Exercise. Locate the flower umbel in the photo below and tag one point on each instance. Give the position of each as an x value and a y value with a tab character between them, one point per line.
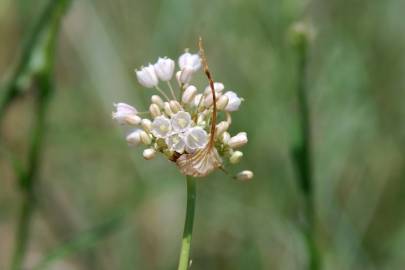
184	128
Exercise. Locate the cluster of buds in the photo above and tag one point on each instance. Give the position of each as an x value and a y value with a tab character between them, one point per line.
185	128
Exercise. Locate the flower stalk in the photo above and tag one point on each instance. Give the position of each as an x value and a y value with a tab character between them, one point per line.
302	35
184	260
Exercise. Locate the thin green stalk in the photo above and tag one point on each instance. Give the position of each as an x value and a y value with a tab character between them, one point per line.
303	155
41	76
184	260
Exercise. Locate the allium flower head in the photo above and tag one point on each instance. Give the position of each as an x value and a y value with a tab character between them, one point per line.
185	130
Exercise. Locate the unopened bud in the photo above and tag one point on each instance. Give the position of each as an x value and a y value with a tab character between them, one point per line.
221	128
145	138
146	124
226	137
222	102
175	106
189	94
245	175
149	153
134	138
157	100
186	75
167	109
218	87
154	110
236	157
238	140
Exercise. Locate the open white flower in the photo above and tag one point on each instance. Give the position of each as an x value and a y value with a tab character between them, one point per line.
175	142
233	101
191	61
196	138
147	76
161	127
164	68
126	114
181	121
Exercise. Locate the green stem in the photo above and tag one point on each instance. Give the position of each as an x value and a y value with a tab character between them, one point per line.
22	233
304	157
184	260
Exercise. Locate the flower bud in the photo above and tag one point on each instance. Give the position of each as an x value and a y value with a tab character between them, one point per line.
218	87
189	94
185	75
126	114
221	128
149	153
134	138
208	100
157	100
154	110
233	101
222	102
191	61
146	124
164	68
236	157
238	140
147	76
175	106
244	175
198	99
167	109
145	138
226	137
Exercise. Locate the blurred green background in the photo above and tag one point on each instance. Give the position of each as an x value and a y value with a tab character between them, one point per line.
126	213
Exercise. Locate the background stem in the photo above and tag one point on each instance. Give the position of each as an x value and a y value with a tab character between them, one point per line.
184	260
303	155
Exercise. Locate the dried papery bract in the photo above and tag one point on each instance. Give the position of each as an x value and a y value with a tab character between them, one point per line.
203	162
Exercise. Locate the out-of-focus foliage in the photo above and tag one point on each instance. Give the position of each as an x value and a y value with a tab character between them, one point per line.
89	176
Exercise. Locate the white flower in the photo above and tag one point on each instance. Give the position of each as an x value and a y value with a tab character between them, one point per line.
164	68
175	142
126	114
233	101
149	153
218	87
189	94
238	140
185	75
196	138
244	175
181	121
161	127
147	76
188	60
134	138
